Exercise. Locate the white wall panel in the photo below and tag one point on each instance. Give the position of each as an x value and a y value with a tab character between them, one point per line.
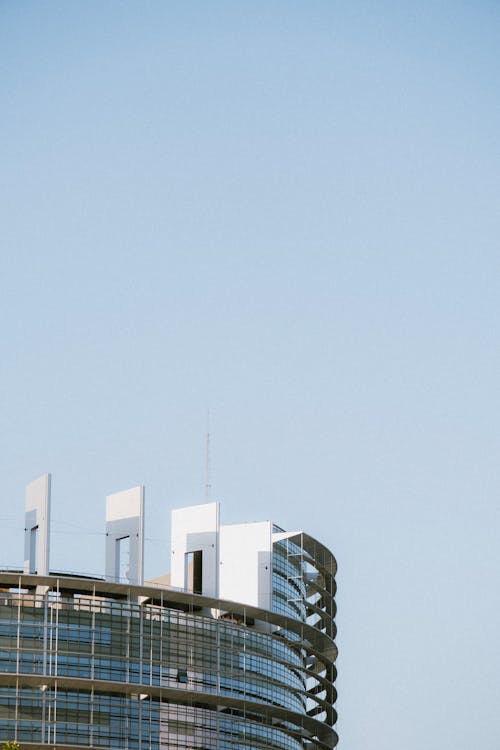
125	520
245	563
196	529
37	526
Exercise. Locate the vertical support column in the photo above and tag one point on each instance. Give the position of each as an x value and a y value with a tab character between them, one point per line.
125	536
37	526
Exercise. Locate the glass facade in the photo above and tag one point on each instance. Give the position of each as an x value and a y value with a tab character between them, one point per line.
111	666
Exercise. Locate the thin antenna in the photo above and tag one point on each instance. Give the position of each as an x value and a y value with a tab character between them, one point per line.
208	485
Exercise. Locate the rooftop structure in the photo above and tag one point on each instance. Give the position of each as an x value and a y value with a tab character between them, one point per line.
232	649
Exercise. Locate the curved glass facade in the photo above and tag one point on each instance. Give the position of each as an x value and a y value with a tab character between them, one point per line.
94	664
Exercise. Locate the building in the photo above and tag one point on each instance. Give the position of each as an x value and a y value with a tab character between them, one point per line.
232	650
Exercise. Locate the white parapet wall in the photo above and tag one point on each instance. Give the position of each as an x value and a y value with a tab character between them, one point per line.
37	526
125	536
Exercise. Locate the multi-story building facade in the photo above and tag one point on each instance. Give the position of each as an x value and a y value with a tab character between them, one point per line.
234	649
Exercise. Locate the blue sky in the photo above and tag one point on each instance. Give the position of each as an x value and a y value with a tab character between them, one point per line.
286	213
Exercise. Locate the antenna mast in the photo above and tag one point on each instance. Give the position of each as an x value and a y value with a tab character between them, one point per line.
208	485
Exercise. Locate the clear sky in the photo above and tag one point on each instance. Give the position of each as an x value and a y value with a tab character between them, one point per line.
288	213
